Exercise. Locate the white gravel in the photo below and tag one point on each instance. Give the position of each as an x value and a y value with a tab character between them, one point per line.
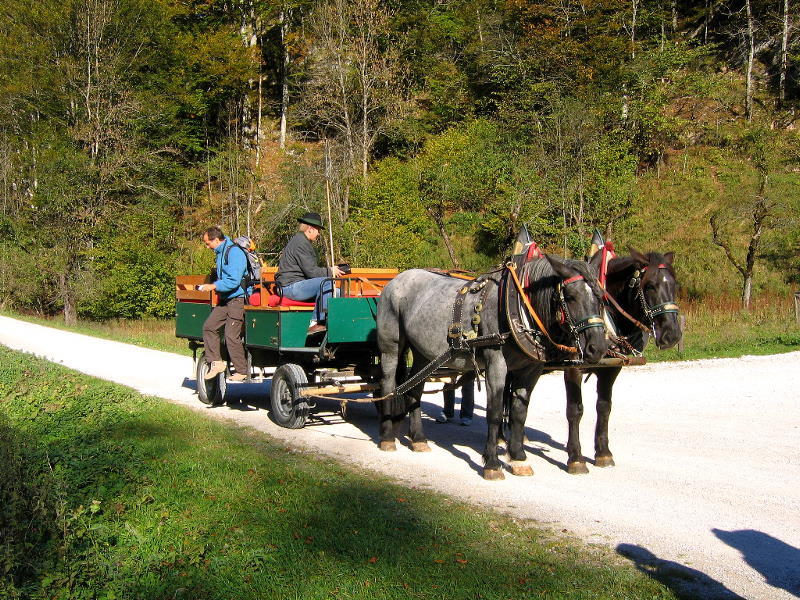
707	479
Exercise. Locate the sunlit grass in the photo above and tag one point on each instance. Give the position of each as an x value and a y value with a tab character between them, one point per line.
718	327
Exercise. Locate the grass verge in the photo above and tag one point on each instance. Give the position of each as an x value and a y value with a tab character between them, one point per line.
715	328
139	498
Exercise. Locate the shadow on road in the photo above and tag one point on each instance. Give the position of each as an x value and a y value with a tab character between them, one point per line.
777	561
685	582
450	437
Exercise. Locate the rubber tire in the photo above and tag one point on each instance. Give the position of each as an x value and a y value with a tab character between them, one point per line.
289	409
210	391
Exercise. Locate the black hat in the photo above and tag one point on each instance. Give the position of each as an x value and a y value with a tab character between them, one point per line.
312	219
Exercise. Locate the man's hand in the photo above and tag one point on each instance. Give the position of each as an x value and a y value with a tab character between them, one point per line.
337	272
206	287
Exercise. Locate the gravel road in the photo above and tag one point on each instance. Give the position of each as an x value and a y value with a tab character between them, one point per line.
707	483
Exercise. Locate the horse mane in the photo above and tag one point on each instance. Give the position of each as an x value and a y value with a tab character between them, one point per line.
542	281
622	267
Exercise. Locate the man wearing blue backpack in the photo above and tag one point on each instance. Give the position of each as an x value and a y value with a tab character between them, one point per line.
232	270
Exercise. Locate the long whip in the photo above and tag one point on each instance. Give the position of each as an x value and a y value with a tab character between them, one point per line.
328	200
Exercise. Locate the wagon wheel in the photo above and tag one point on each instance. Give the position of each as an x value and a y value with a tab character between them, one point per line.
289	409
210	391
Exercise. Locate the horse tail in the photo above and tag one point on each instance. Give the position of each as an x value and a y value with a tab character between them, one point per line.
505	427
400	402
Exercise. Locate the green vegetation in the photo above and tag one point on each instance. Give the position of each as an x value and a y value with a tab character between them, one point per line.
108	494
429	131
722	330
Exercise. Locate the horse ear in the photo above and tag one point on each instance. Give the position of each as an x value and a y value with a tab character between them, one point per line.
559	267
669	257
640	258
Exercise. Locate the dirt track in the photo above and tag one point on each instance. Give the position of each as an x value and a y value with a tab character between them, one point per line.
708	475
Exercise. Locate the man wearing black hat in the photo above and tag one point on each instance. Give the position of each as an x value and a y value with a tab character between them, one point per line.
299	274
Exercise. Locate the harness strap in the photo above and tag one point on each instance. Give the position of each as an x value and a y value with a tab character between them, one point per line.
632	319
513	270
495	339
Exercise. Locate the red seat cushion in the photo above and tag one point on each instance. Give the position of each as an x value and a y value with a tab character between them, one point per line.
275	300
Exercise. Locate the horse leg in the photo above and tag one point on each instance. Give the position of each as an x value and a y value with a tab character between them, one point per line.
523	384
393	369
419	443
495	384
576	465
605	383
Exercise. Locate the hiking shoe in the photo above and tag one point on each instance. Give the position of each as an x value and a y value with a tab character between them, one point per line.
237	377
316	328
443	418
466	421
215	368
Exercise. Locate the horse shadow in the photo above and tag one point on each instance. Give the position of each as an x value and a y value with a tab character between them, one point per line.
456	439
777	561
685	582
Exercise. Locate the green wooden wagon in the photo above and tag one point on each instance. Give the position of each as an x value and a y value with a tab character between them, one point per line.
343	360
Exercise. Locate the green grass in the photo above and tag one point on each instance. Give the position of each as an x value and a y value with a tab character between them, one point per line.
717	328
109	494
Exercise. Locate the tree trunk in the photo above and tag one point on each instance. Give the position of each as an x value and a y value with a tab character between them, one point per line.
284	20
748	101
635	6
439	218
784	55
747	290
68	298
674	6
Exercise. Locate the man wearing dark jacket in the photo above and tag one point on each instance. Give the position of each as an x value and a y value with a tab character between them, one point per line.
299	274
231	267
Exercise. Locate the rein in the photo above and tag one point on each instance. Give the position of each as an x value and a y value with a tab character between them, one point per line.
575	328
669	307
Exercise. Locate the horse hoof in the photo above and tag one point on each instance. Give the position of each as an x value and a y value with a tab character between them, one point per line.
493	474
388	446
521	468
604	461
420	447
577	468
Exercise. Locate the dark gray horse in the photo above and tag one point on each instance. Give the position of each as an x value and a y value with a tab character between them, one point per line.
644	287
416	313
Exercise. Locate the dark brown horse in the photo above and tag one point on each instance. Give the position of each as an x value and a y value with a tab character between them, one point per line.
644	287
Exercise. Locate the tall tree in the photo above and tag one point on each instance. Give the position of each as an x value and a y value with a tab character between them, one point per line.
355	87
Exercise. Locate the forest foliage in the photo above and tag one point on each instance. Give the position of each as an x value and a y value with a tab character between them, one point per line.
426	131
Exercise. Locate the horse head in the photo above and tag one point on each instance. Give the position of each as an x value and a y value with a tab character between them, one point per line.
578	306
656	293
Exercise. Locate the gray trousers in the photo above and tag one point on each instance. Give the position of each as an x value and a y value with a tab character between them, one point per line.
231	316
